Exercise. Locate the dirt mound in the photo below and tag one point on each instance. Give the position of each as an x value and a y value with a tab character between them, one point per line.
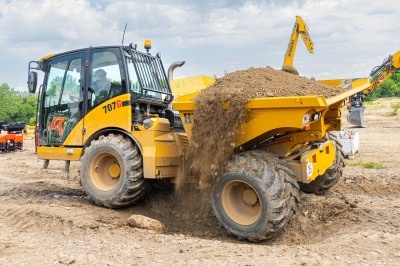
215	128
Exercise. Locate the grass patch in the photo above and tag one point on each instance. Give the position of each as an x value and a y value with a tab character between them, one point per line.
375	104
369	165
395	107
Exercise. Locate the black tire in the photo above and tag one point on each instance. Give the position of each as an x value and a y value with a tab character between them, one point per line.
111	172
256	196
323	183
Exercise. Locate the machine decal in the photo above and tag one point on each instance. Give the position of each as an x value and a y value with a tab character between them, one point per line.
114	105
309	169
306	119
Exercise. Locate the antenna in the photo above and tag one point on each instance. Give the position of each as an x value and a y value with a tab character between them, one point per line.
123	35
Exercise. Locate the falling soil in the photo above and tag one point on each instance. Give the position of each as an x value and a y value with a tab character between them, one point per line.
215	128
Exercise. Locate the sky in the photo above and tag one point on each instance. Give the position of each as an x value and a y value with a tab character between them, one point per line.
214	37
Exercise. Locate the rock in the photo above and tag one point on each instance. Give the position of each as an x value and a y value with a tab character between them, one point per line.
67	232
144	222
65	259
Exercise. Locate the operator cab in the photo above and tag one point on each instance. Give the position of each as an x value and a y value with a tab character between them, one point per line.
78	82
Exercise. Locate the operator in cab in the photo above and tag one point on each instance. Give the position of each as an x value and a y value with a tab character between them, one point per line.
101	86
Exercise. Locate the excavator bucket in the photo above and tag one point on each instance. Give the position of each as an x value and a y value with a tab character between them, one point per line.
356	116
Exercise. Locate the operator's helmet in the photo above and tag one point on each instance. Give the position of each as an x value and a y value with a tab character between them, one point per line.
101	73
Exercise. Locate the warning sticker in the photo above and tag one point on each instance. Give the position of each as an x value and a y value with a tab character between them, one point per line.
309	169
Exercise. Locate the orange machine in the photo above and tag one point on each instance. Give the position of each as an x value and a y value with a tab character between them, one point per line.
14	139
11	142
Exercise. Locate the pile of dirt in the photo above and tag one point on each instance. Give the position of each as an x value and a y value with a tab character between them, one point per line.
215	128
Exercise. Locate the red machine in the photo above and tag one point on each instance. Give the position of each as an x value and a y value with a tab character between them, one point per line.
14	139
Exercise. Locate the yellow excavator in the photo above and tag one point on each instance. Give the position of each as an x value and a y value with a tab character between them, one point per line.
300	28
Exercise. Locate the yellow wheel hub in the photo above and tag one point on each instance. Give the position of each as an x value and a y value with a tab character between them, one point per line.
114	170
250	197
241	202
105	171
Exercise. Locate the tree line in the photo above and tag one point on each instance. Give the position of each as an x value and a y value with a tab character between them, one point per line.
21	107
389	88
17	106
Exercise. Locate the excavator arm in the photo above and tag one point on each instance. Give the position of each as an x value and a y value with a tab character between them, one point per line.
300	28
363	87
380	73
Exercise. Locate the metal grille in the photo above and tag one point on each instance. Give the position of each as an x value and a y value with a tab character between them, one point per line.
151	74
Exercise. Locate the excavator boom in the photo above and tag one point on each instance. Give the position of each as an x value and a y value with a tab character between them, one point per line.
300	28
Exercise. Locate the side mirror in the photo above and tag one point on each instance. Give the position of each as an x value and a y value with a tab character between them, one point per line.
32	82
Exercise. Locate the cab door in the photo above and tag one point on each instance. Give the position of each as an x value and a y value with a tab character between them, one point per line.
108	103
62	101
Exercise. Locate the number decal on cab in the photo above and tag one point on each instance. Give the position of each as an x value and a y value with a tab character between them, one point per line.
112	106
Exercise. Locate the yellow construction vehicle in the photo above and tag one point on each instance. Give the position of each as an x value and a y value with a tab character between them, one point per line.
110	108
300	28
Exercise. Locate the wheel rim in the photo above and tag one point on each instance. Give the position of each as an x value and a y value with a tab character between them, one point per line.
241	202
105	171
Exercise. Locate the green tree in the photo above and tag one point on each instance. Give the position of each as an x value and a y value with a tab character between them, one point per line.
10	103
388	88
27	110
15	107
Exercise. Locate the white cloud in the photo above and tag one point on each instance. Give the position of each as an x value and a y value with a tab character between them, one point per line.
212	36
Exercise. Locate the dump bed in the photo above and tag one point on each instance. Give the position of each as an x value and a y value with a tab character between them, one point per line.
280	116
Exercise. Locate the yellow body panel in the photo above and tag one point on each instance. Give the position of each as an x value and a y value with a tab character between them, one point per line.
344	83
161	157
313	163
59	153
185	89
119	116
75	137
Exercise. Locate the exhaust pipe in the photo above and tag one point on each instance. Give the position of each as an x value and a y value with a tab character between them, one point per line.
172	68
